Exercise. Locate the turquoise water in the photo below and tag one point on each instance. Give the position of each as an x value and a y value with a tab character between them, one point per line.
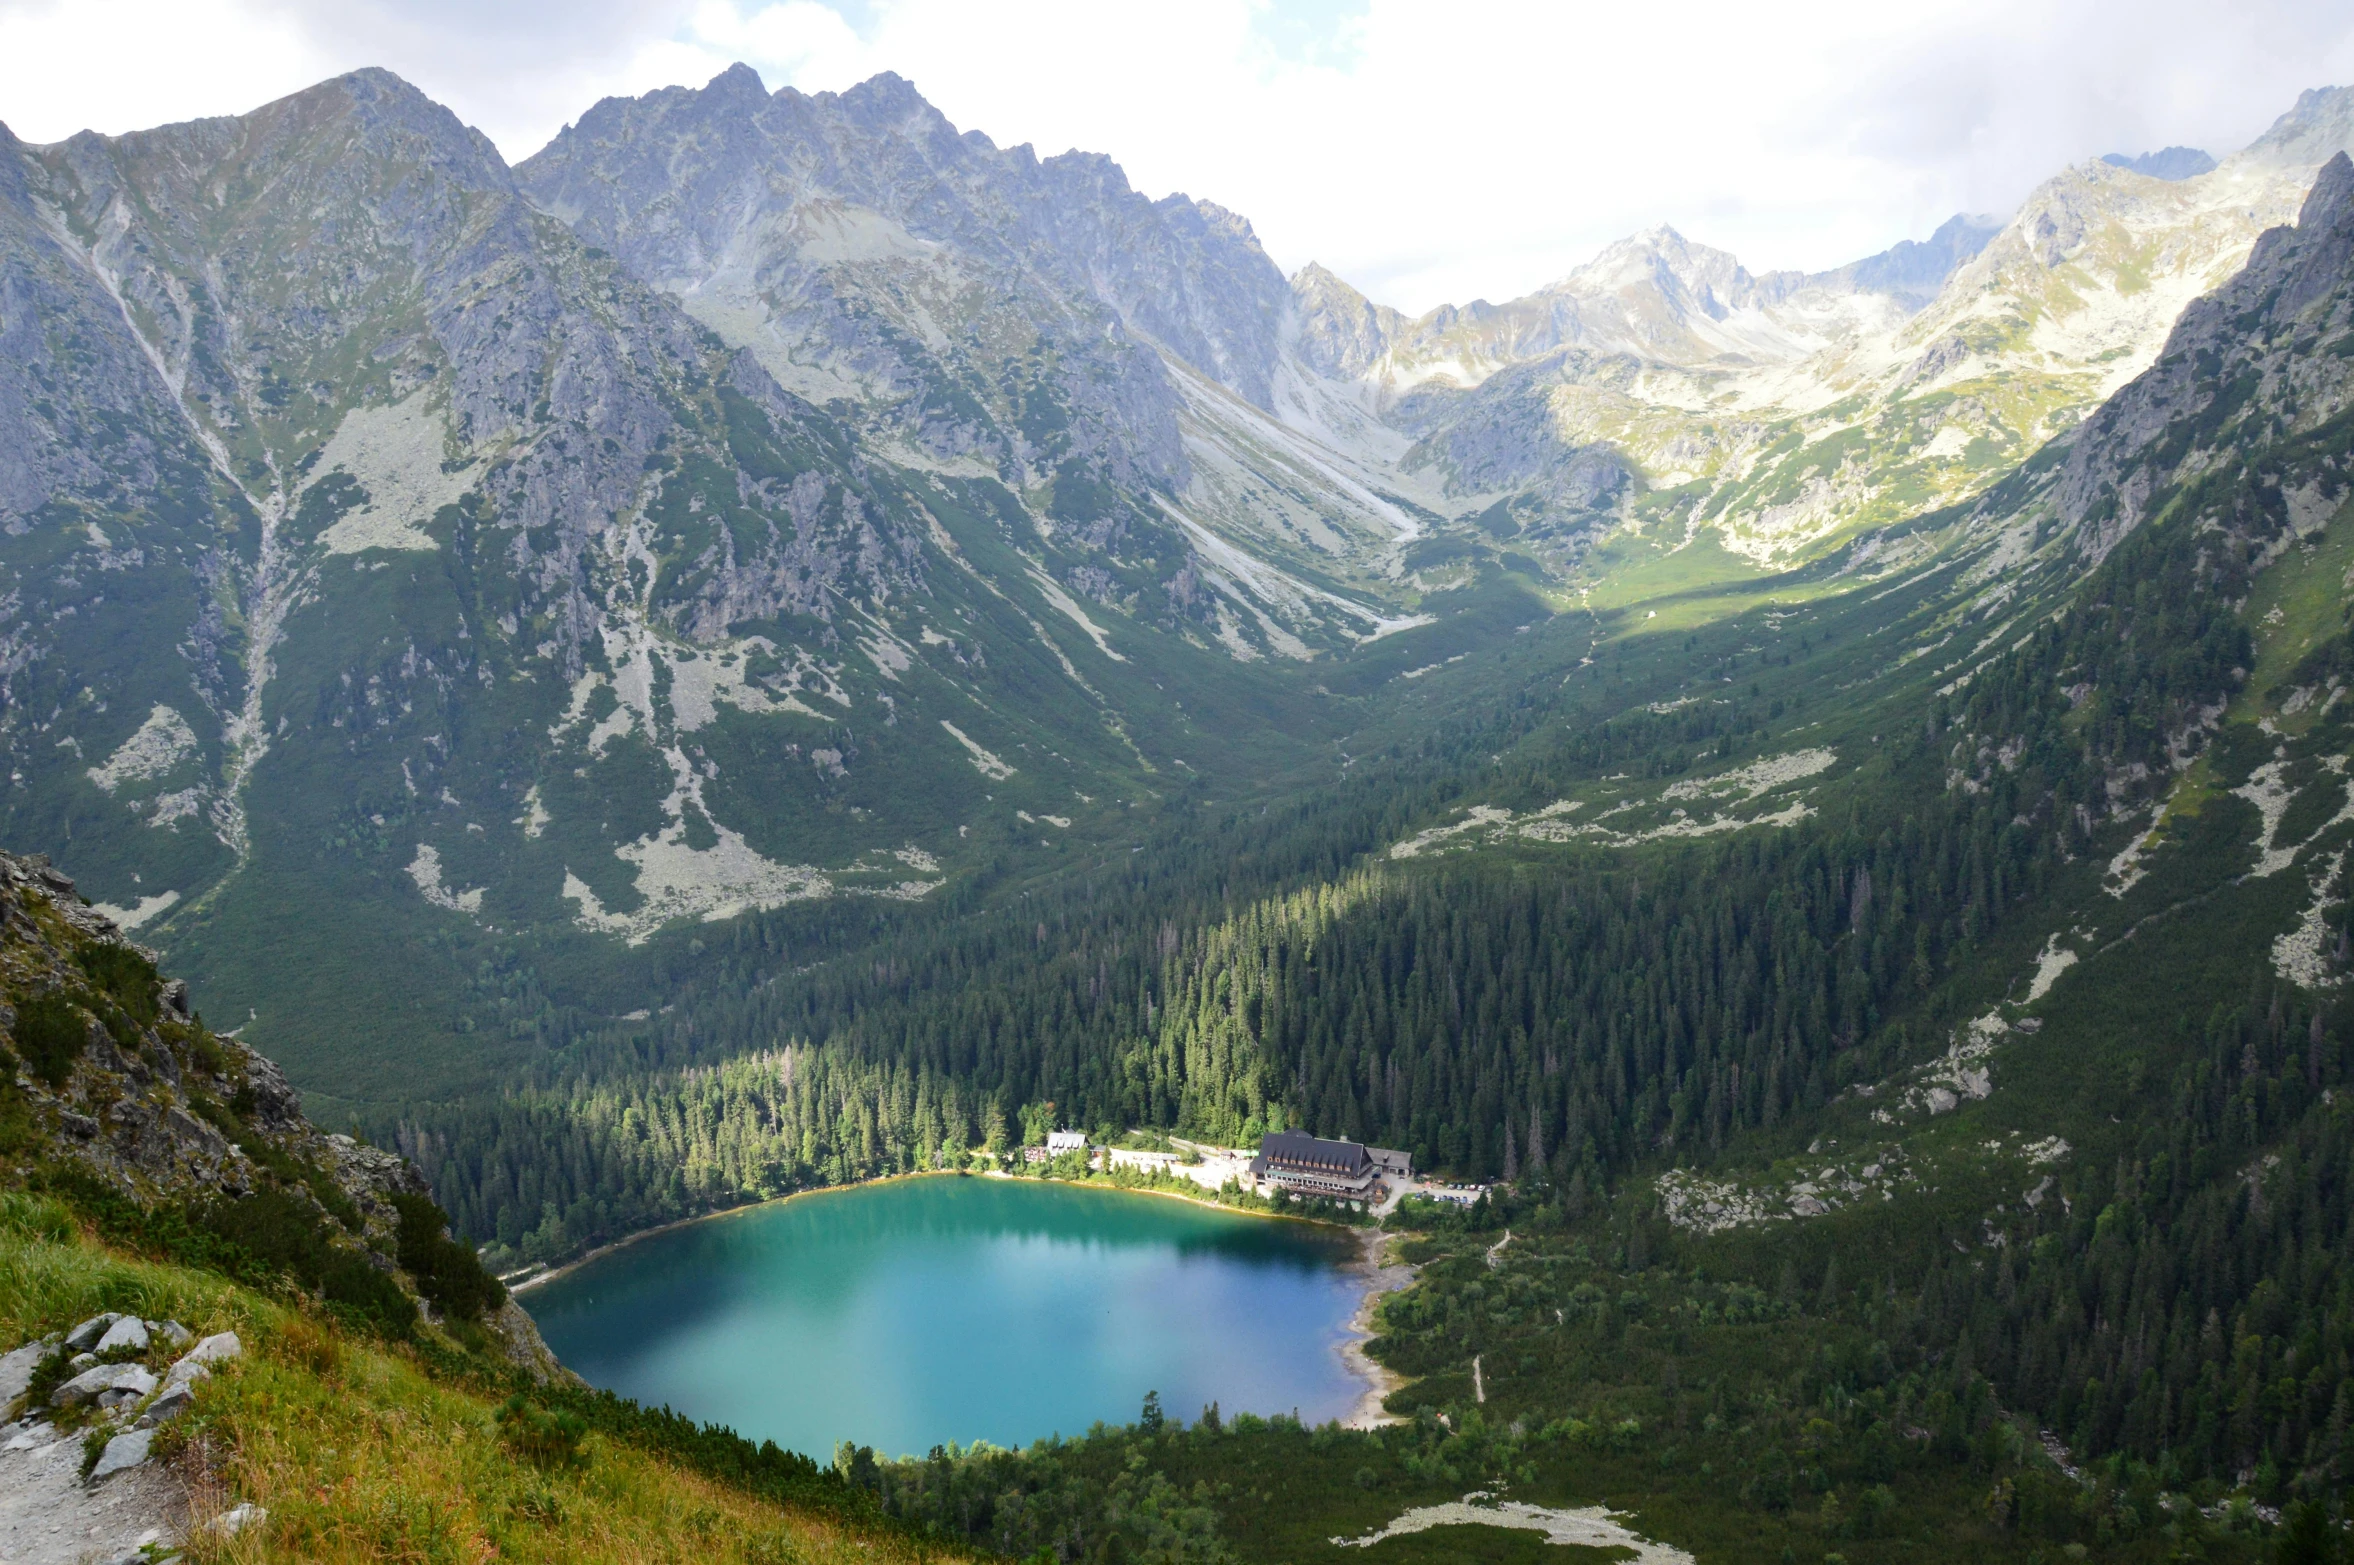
911	1314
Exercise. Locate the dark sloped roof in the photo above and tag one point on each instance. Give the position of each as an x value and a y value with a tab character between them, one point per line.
1298	1149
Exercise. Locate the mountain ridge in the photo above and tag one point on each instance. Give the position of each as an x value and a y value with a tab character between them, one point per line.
777	645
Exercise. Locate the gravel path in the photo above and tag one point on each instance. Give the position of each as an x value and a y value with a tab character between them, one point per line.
47	1516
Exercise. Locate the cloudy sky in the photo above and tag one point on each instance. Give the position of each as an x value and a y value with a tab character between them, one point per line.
1429	150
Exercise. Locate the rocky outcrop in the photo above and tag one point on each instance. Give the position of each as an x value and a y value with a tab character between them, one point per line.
825	208
938	289
2259	359
109	1080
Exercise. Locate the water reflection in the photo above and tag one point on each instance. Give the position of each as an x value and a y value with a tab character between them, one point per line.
910	1314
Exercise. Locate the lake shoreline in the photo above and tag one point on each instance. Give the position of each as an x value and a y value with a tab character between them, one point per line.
1380	1277
550	1274
524	1283
1383	1277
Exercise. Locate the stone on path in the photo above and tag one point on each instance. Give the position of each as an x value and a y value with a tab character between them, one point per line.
48	1516
16	1370
124	1451
103	1378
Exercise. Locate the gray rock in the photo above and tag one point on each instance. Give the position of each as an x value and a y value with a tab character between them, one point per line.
29	1436
212	1350
185	1375
174	1333
236	1519
16	1370
83	1360
86	1335
2254	332
129	1332
176	1398
123	1451
100	1378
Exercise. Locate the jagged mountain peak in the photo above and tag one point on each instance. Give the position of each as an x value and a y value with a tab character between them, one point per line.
2166	163
372	99
1912	271
738	80
1339	332
688	188
2332	192
2258	357
1661	257
2320	123
887	101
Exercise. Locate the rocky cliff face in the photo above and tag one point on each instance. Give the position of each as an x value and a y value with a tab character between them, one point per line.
111	1084
764	498
2261	362
370	537
976	302
376	464
1130	369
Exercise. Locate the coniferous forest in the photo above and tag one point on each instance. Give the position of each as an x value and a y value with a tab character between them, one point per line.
775	644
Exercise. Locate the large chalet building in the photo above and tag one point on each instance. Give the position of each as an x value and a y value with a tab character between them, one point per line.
1340	1170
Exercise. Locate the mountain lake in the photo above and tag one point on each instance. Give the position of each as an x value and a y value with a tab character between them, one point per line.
917	1312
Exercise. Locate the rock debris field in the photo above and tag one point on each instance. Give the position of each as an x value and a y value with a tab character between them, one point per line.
78	1478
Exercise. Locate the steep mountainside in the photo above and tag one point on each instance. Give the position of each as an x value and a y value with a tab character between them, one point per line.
226	1334
981	312
119	1097
372	540
783	641
765	518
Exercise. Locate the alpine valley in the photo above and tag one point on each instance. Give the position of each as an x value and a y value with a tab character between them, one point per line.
779	643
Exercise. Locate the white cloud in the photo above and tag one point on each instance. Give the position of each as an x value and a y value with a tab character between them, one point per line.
1429	151
117	65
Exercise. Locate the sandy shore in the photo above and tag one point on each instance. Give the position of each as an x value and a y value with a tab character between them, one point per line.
1384	1274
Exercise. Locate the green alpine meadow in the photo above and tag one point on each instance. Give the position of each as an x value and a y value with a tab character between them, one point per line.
664	801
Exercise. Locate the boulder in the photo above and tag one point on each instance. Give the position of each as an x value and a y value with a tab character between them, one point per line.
123	1451
101	1378
212	1350
176	1334
16	1370
129	1332
85	1336
30	1437
173	1400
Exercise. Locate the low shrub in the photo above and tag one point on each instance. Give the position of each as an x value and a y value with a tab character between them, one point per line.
543	1436
446	1270
51	1032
